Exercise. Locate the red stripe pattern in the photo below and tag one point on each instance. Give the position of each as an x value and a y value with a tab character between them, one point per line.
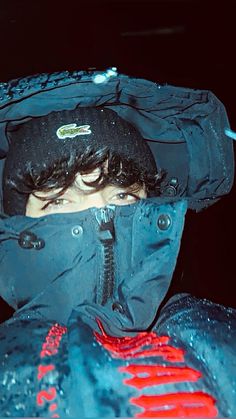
146	345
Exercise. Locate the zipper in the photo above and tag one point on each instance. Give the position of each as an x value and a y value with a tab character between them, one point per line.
106	235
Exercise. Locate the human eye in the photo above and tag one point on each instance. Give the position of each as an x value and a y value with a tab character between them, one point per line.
55	204
125	198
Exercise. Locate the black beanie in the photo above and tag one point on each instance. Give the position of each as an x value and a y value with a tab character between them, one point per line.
42	141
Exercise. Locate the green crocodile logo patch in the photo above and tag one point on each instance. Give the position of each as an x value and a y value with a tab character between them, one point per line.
71	131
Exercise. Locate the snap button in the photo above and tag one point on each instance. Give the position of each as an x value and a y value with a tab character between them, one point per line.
116	306
171	188
164	222
77	231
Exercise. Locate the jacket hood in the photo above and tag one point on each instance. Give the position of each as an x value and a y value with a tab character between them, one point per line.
185	128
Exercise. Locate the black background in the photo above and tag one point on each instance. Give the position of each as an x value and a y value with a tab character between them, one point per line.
181	42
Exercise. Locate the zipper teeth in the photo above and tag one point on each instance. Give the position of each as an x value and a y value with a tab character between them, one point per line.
105	219
108	272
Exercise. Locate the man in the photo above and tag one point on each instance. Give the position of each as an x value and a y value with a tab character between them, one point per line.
90	241
73	161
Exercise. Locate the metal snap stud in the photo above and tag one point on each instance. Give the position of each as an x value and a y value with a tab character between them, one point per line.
77	231
164	222
116	306
170	190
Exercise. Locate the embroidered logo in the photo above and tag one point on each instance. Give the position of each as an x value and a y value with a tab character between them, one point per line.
71	131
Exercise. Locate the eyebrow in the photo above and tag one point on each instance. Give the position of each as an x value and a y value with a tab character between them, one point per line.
49	195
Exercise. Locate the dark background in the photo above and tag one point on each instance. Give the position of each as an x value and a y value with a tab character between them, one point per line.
187	43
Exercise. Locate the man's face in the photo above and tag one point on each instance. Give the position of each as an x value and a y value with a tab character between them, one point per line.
79	197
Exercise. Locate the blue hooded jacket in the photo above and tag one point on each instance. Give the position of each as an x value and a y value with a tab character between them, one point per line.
86	287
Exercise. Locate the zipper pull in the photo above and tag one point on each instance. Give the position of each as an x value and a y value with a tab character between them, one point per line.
105	217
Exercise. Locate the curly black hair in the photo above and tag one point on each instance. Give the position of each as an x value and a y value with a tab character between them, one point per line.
114	170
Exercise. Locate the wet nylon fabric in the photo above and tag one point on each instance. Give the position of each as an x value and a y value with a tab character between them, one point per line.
205	334
183	127
68	271
23	393
70	373
209	333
